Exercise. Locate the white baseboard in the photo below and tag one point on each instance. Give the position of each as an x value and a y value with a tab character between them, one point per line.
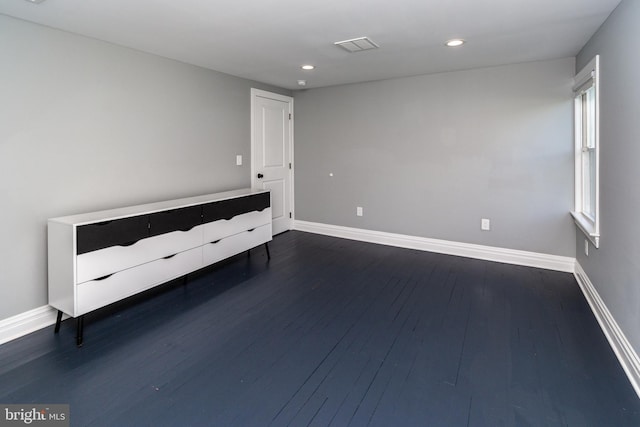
41	317
27	322
627	356
489	253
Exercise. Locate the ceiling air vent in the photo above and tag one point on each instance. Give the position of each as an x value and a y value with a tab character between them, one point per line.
357	45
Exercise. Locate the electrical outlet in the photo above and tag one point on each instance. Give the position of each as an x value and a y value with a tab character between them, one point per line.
485	224
586	247
359	211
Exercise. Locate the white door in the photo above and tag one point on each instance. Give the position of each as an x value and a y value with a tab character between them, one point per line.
272	153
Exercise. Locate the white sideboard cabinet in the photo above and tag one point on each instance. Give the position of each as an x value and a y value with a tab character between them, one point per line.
98	258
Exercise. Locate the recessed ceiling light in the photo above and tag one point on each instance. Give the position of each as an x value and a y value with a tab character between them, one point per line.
308	67
454	42
302	82
35	1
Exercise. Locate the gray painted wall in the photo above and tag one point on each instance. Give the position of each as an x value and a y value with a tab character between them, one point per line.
431	155
87	125
614	268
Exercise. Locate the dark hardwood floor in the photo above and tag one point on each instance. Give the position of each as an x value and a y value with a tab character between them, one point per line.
334	332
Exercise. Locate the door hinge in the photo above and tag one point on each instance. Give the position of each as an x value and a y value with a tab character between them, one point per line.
289	116
290	215
289	165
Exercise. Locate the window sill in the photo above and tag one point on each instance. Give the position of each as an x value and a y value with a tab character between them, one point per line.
587	228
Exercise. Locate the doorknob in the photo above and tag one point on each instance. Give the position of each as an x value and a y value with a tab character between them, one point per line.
260	176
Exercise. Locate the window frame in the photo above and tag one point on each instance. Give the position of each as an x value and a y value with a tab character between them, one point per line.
587	218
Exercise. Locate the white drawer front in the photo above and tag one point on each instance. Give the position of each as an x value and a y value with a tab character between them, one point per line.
229	246
222	228
98	293
92	265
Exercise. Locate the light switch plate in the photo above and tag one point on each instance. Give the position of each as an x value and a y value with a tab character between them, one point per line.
239	160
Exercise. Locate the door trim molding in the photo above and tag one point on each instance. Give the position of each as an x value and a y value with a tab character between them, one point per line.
255	93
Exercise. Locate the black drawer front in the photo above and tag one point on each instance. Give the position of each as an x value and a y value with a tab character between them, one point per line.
227	209
119	232
183	219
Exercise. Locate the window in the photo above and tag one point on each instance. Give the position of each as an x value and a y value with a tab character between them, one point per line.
587	192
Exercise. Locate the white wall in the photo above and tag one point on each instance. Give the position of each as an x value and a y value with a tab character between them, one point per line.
431	155
614	268
87	125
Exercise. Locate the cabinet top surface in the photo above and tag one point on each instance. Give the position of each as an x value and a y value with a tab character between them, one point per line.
111	214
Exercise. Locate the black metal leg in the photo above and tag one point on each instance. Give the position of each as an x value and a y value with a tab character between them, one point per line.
58	321
79	330
266	245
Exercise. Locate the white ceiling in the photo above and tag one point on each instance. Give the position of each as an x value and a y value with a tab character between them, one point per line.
268	40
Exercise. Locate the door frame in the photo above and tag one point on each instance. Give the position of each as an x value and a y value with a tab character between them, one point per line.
289	100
